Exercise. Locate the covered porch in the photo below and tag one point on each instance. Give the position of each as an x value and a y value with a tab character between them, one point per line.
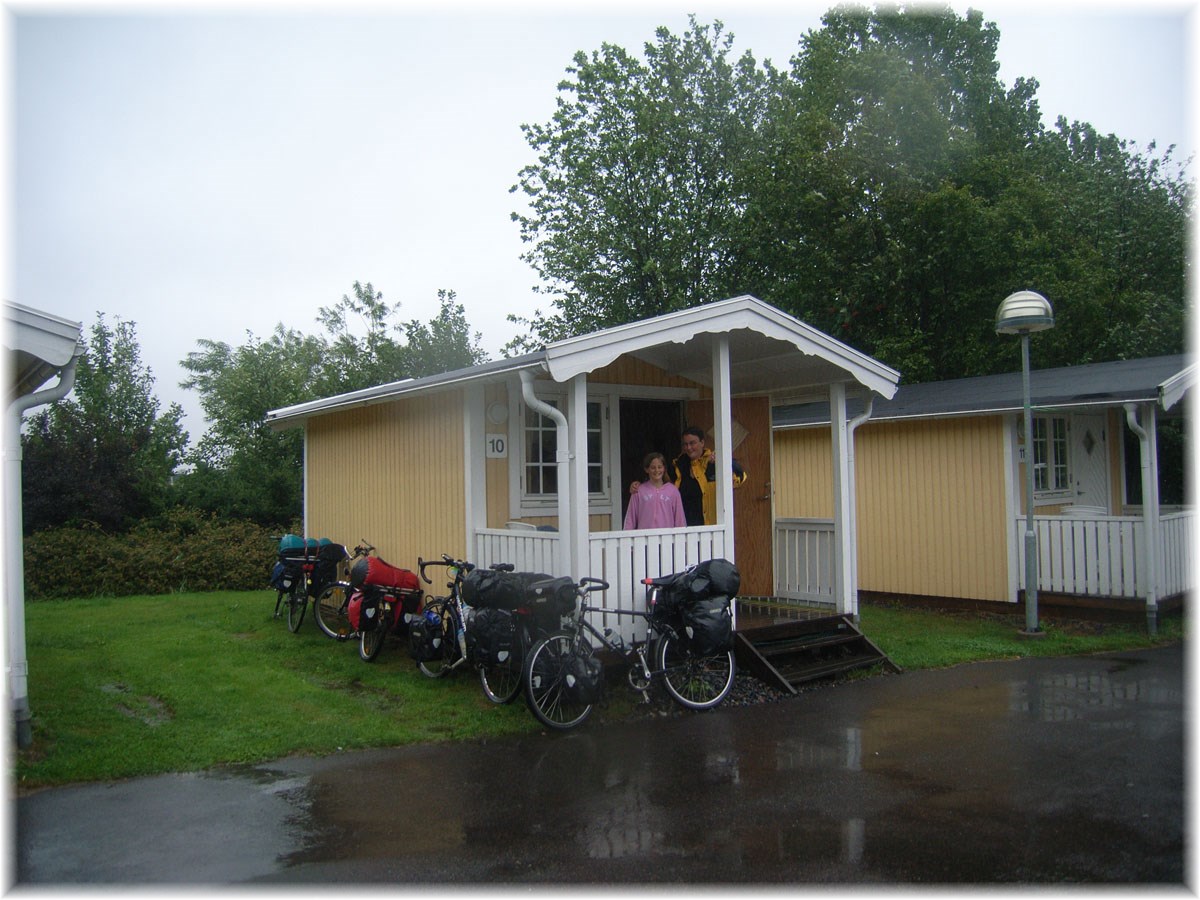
738	353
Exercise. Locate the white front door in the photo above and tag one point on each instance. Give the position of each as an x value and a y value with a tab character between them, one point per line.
1089	460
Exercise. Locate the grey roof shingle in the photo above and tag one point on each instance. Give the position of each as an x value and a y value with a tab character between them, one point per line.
1095	384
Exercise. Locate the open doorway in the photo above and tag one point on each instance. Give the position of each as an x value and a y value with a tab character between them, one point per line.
646	425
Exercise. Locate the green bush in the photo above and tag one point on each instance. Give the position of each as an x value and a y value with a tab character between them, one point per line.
182	550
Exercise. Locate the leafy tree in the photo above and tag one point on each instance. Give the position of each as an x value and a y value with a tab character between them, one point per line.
241	467
634	200
888	189
105	455
445	344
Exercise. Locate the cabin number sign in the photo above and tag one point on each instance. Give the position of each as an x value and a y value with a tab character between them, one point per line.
497	446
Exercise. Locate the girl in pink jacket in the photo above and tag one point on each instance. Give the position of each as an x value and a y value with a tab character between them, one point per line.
657	503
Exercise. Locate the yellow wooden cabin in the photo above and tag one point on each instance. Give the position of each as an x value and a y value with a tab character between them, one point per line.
939	470
528	460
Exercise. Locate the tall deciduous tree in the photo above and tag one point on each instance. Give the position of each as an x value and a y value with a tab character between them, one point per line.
887	189
105	455
241	467
634	201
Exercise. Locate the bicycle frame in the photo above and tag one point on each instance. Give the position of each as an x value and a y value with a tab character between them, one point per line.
636	648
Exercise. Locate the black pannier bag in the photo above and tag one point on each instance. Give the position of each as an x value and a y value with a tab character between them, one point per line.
711	578
583	680
708	626
425	636
491	636
490	589
325	572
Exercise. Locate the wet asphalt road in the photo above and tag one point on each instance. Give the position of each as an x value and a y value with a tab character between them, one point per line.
1041	771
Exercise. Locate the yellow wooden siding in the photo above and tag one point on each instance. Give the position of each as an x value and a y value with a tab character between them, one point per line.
931	503
393	474
631	370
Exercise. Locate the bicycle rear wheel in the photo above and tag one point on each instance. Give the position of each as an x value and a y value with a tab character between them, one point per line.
371	639
695	682
297	603
332	611
547	687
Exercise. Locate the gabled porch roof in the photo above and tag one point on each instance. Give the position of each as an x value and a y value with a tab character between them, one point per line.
770	353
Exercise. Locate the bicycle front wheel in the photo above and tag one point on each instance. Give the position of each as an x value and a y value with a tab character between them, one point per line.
697	682
297	602
437	668
332	611
547	690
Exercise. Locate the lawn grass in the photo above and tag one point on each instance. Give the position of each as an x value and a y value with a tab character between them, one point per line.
923	639
144	685
141	685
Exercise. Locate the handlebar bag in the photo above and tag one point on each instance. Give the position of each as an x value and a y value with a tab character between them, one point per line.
550	596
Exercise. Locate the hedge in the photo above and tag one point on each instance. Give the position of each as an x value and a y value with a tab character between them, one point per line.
183	550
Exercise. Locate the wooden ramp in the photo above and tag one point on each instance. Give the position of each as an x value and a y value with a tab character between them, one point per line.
789	652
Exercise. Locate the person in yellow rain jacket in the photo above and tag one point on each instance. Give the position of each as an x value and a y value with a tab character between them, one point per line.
695	474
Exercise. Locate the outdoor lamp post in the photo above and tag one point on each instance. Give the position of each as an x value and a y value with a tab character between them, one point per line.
1024	313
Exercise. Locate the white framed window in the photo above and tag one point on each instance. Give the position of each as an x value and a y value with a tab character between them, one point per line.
535	466
1051	458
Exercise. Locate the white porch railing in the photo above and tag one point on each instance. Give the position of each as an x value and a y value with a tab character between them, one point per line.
1100	556
804	559
1104	556
622	558
529	551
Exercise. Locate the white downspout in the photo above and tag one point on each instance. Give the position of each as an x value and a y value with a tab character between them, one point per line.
18	663
1148	444
843	537
851	428
562	457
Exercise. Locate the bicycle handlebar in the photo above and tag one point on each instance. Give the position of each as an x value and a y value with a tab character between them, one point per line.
447	560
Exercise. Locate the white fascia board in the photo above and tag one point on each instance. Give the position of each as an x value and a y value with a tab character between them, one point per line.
292	416
586	353
50	338
1172	390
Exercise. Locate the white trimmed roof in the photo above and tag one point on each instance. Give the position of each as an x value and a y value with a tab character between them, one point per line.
1160	379
771	353
40	344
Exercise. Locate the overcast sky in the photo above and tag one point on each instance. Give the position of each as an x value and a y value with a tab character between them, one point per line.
210	174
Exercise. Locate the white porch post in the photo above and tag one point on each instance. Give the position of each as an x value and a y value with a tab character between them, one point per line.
844	590
723	441
475	471
574	546
1147	431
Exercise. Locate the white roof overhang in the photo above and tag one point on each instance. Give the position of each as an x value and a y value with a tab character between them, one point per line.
292	416
771	352
1172	390
39	344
